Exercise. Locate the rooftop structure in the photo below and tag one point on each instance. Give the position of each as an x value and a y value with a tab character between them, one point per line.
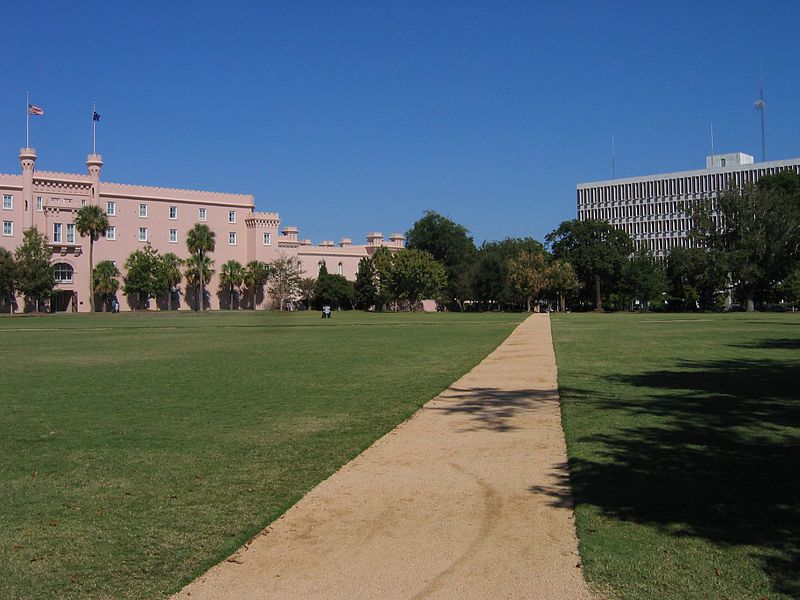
652	209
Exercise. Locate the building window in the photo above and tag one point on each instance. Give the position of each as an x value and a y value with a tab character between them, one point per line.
39	203
111	233
203	214
231	216
111	208
57	233
8	201
8	227
83	201
339	268
722	162
143	210
267	239
173	236
63	273
70	233
232	238
173	212
142	234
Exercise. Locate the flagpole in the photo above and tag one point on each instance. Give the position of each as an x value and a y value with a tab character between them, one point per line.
94	129
27	120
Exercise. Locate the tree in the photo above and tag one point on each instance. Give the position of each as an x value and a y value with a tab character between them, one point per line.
695	278
91	221
562	280
34	273
365	290
331	290
199	269
256	275
143	275
383	265
644	278
104	281
756	232
450	244
790	289
285	281
307	287
200	241
489	276
416	275
170	274
231	277
8	273
596	251
528	274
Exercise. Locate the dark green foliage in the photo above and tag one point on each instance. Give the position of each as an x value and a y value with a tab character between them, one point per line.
790	289
332	290
105	281
8	273
756	233
696	279
490	283
35	278
200	241
365	288
416	275
644	280
597	252
91	221
145	276
450	244
683	440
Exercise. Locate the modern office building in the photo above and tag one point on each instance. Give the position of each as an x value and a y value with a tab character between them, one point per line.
651	209
162	217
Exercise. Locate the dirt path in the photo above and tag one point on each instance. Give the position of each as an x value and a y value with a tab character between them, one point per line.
467	499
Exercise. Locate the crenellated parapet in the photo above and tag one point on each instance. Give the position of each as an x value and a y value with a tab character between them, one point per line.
263	220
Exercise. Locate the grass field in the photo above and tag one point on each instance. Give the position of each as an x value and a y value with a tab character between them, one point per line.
138	450
683	435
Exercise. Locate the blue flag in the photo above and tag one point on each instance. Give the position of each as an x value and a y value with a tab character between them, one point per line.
95	116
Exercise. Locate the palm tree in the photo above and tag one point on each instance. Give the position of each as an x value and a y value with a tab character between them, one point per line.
199	269
104	280
256	275
171	272
231	276
92	221
200	240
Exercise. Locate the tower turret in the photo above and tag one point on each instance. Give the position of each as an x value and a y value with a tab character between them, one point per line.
27	160
94	162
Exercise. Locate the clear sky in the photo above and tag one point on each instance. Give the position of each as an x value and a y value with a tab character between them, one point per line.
352	117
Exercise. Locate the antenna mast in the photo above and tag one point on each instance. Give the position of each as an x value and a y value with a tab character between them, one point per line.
761	105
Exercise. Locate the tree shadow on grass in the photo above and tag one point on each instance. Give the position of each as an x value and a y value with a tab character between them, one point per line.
492	409
710	450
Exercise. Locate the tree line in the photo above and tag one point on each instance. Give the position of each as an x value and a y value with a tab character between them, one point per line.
746	252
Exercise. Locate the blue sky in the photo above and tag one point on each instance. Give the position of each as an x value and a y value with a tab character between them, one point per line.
352	117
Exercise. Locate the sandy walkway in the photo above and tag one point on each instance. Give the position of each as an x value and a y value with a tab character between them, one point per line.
467	499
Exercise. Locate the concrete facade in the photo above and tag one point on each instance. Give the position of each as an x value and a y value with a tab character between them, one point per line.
652	208
139	215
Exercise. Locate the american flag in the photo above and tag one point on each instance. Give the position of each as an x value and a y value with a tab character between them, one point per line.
35	110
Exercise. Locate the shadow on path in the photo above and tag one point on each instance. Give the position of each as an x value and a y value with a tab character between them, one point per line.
492	408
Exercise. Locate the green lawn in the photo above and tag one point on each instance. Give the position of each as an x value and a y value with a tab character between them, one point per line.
138	450
683	434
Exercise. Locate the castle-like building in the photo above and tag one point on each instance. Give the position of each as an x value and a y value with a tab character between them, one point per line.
162	217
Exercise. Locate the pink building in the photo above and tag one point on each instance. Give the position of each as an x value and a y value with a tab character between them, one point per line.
139	215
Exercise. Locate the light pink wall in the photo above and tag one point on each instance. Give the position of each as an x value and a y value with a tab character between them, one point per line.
64	193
